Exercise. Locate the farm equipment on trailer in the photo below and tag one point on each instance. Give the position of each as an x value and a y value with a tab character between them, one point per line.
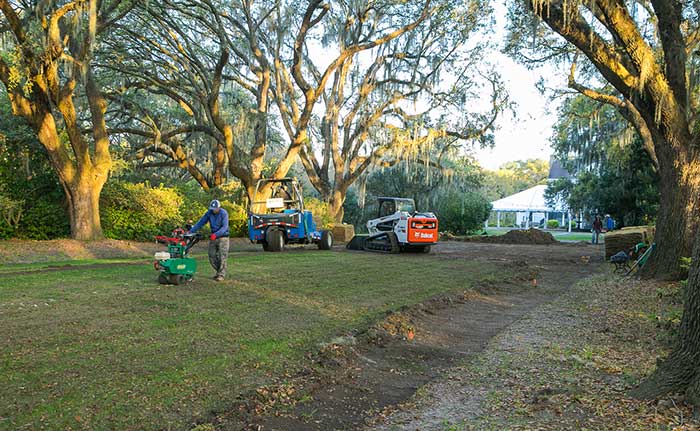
175	265
282	219
398	227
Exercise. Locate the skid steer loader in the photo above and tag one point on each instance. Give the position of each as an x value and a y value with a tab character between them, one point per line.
398	227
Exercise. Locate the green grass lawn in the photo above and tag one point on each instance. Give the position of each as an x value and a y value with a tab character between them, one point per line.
46	266
559	235
109	348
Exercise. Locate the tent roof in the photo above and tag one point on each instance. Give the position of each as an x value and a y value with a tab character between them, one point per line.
531	199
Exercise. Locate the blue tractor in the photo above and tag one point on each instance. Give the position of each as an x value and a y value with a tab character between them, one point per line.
281	219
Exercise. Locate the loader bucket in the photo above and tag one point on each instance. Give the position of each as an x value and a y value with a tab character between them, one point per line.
357	242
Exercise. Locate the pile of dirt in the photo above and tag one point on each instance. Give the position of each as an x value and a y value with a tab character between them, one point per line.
530	236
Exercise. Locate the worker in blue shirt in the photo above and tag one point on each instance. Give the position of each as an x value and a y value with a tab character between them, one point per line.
609	223
217	218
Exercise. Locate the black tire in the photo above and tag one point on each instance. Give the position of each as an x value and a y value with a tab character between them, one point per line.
176	279
426	249
275	240
265	245
394	241
163	279
326	241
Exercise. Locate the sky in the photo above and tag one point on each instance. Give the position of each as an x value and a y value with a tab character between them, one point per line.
524	135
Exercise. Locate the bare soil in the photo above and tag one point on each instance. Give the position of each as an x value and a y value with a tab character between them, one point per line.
568	364
26	251
358	378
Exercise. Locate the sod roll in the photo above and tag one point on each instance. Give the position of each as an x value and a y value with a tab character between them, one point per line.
626	238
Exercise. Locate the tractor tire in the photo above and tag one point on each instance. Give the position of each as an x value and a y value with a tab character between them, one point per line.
326	241
275	240
394	241
266	246
176	279
163	279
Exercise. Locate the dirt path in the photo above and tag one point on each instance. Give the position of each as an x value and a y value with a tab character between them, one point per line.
568	364
380	375
453	398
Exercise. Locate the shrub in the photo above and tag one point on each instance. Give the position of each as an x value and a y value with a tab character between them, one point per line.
138	211
237	218
321	214
38	218
11	210
685	263
10	216
6	231
461	214
552	224
44	219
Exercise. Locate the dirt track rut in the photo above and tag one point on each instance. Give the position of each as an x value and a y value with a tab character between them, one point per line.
385	375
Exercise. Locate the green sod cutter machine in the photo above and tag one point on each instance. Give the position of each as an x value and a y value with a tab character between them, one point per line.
175	265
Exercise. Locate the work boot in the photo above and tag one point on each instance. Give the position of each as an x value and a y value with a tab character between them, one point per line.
219	278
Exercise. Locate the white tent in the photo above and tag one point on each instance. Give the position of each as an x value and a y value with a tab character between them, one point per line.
527	202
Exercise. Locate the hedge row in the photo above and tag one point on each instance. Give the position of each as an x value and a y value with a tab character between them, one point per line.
128	211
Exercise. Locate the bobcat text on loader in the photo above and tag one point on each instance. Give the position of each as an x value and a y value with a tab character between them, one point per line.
398	227
282	219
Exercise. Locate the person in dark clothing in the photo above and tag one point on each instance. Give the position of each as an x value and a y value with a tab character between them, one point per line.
217	218
597	229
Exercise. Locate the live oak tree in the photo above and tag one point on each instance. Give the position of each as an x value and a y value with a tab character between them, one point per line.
198	55
206	84
46	67
173	98
643	57
645	51
392	103
298	77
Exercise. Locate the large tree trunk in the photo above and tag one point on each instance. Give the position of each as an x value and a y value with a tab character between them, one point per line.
676	225
81	181
680	372
335	201
679	209
84	210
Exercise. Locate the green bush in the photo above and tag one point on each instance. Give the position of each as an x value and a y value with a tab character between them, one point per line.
552	224
7	231
41	219
685	263
138	211
320	212
461	214
237	218
10	216
44	219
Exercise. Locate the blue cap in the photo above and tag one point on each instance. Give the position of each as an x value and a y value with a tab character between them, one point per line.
215	204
